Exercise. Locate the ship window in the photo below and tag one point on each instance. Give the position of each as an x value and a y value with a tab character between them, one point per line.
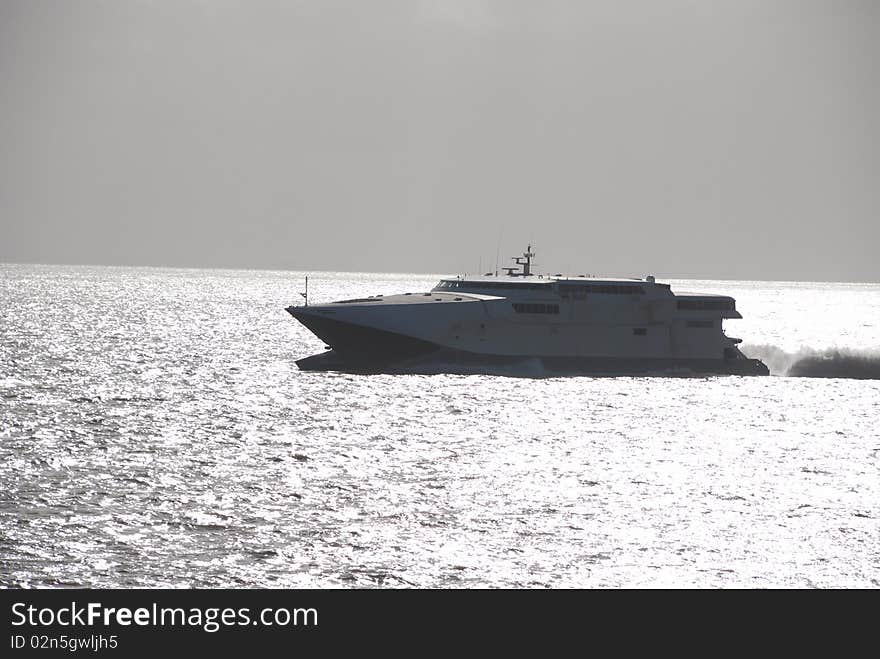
601	289
512	286
535	308
640	331
706	324
706	304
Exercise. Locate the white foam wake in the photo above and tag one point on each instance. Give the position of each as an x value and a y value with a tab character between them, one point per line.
814	363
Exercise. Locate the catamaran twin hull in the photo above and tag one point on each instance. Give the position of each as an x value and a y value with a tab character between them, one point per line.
360	348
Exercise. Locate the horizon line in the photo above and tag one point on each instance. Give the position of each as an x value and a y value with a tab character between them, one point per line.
401	272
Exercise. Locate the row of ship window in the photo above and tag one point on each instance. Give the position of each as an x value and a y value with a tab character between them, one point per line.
564	288
445	285
604	289
535	307
706	305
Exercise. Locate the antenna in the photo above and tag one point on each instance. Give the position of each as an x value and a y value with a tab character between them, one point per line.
498	248
306	294
527	269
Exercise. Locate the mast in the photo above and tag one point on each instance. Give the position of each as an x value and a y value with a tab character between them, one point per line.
527	266
306	294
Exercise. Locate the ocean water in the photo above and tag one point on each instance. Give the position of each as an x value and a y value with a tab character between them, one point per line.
155	432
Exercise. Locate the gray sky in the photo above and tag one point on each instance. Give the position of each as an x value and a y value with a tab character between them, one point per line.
729	139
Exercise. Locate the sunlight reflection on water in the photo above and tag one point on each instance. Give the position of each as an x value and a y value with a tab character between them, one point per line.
156	432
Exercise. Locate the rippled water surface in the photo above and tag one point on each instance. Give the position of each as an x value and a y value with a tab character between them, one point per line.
155	431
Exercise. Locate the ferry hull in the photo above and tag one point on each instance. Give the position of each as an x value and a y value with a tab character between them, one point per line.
360	349
358	346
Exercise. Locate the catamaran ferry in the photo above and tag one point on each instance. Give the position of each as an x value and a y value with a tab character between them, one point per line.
570	325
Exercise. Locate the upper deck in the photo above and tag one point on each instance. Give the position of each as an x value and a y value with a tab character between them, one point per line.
558	288
554	285
526	290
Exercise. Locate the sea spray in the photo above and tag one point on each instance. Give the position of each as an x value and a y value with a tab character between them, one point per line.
814	363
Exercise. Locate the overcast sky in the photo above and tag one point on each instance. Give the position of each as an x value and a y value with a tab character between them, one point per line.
692	138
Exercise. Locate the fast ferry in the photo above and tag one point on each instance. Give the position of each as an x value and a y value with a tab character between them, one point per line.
566	325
